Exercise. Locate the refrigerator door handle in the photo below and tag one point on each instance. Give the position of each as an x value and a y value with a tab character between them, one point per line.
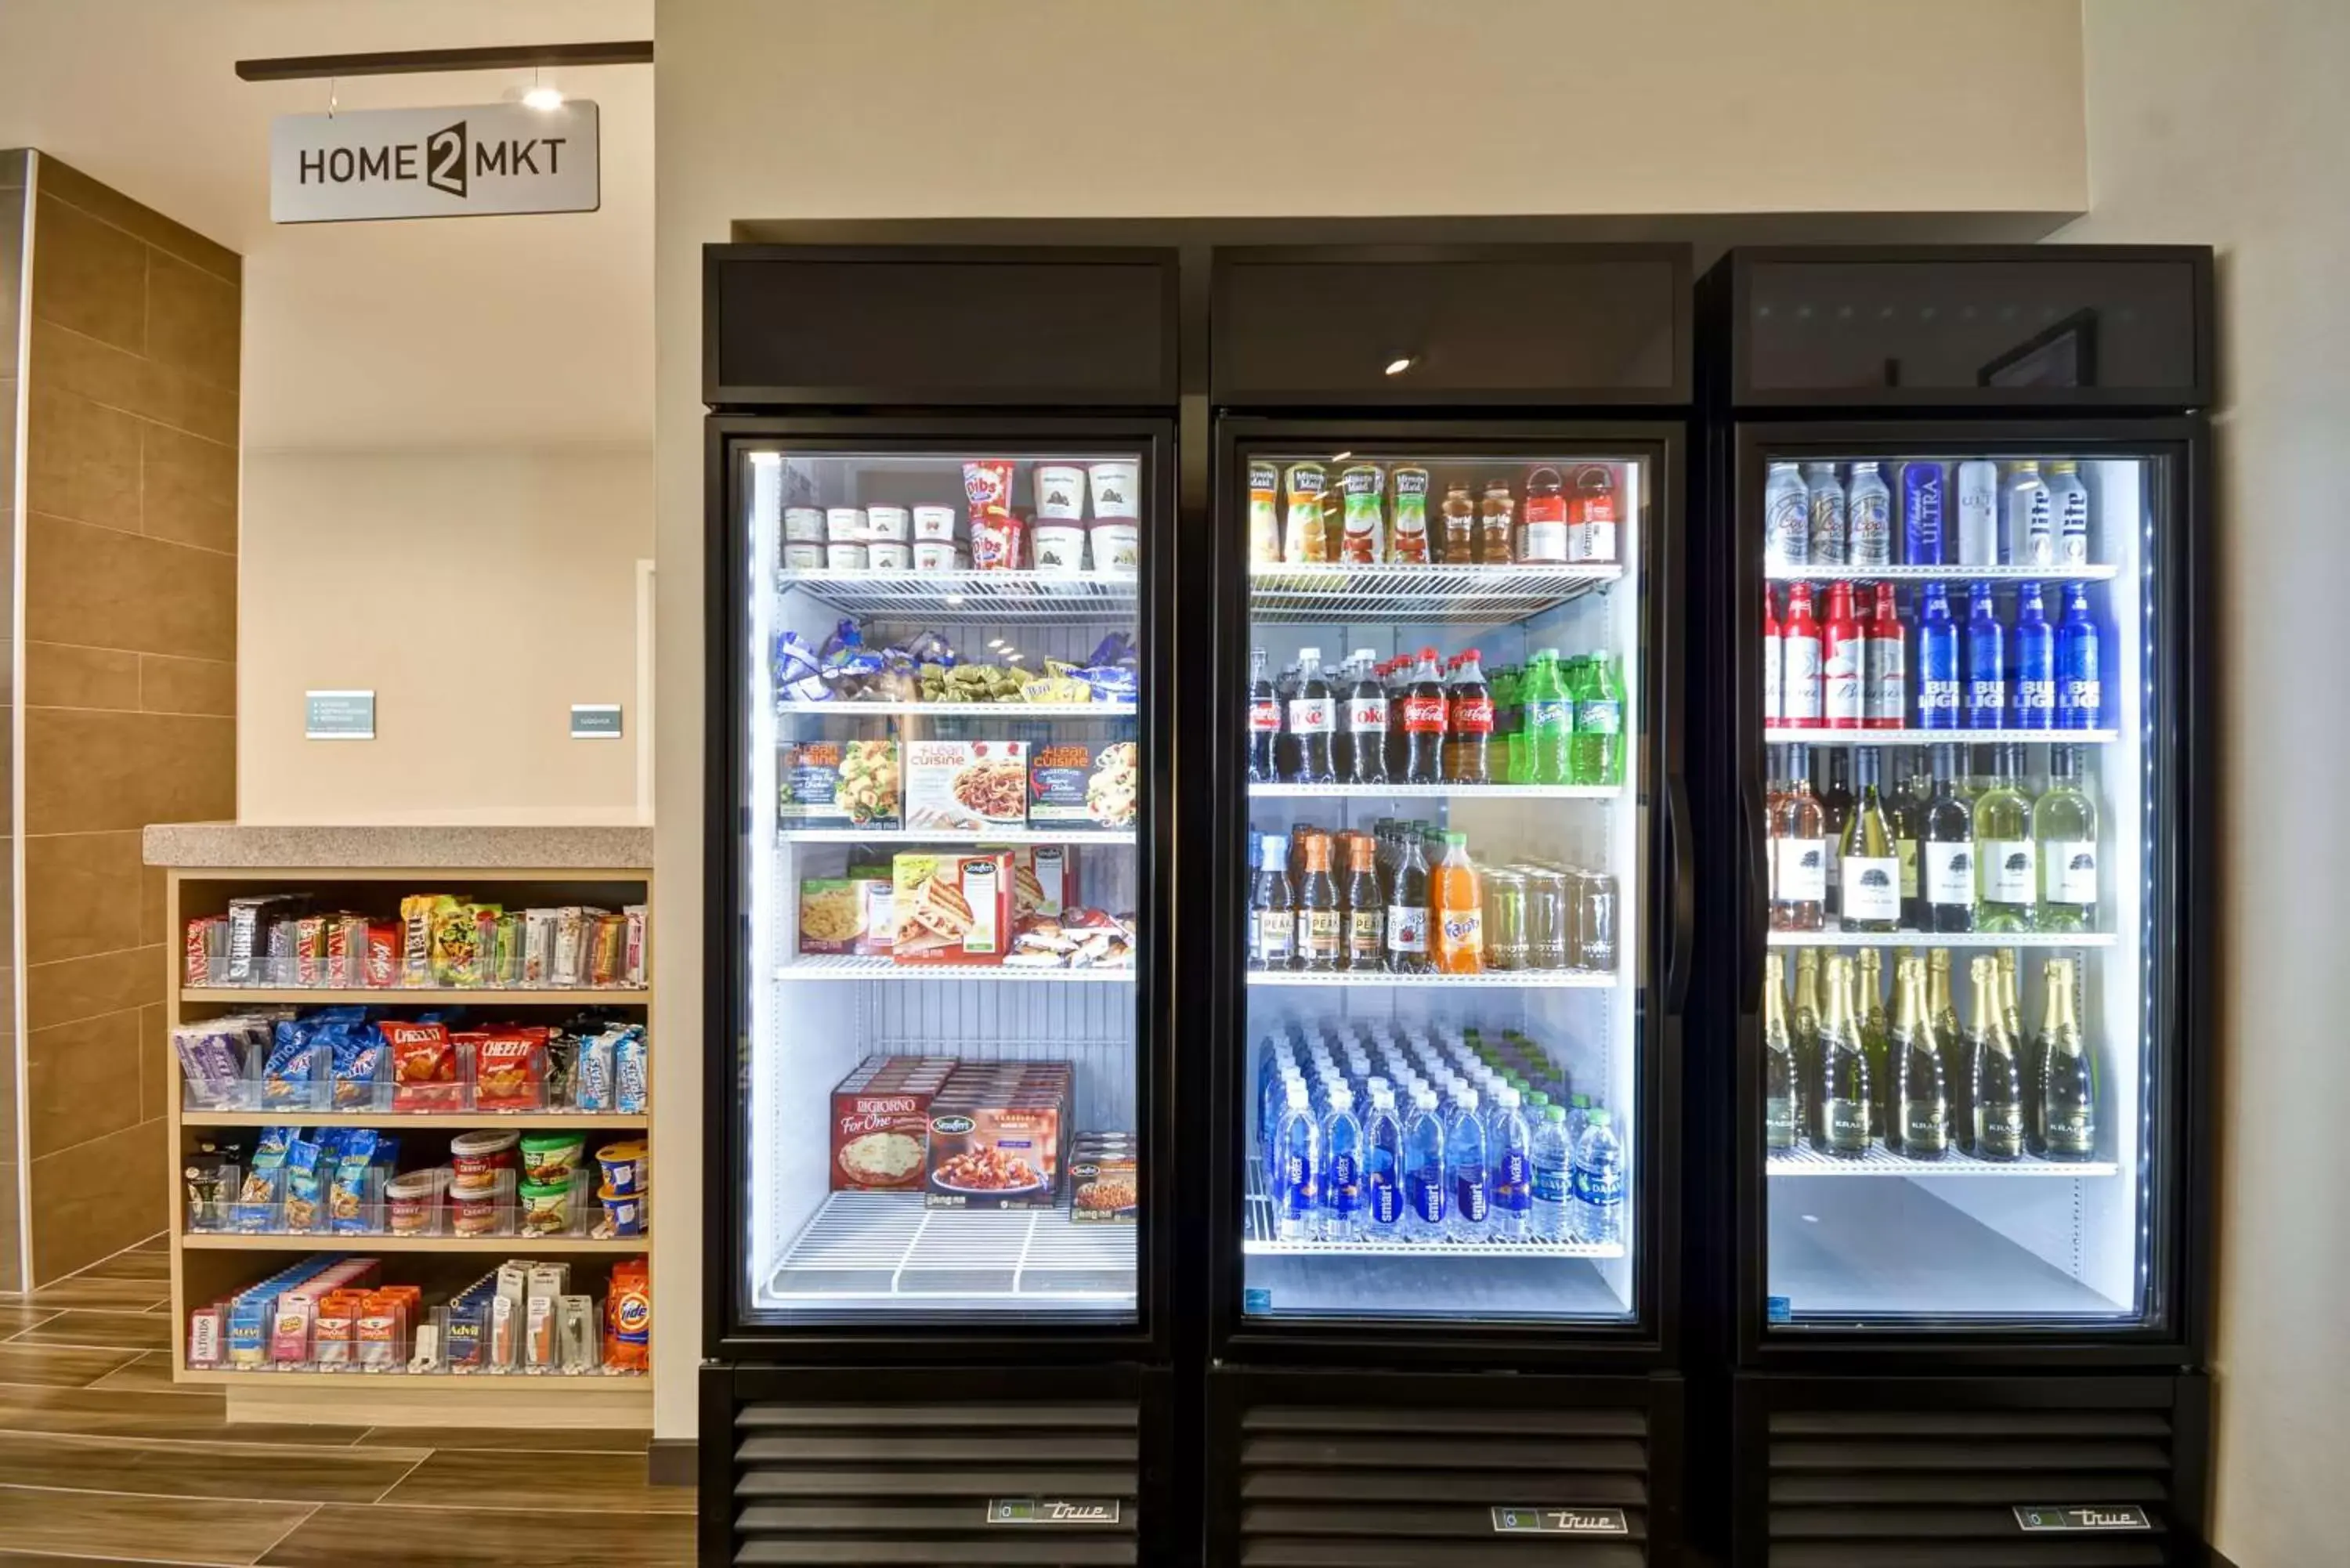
1684	928
1753	914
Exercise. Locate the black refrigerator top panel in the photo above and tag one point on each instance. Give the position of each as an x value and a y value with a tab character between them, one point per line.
1431	326
938	327
2009	327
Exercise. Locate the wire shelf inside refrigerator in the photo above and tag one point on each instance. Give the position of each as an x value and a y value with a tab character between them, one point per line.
1948	572
870	1246
1263	1239
1419	595
962	597
1880	1161
1942	938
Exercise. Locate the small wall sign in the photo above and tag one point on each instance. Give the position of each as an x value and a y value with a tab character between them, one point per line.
339	715
595	721
479	161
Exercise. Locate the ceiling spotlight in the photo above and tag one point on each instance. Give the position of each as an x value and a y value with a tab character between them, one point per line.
1399	366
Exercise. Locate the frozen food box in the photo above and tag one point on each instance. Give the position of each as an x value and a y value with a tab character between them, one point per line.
995	1139
1082	783
845	914
838	783
880	1123
950	908
966	786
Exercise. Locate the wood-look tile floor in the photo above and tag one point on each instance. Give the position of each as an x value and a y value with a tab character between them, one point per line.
104	1460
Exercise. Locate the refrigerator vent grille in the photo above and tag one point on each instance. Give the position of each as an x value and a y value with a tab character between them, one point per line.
1416	1487
894	1485
1920	1489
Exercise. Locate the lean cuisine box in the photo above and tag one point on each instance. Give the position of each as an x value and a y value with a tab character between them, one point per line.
881	1120
1081	783
966	786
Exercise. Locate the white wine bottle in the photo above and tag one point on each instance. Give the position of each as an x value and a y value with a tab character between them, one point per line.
2064	833
2007	887
1868	866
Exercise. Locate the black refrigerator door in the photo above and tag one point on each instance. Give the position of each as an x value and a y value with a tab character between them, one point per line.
938	709
1447	924
1968	1102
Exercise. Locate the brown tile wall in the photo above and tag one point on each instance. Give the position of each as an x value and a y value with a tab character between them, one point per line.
129	547
12	1173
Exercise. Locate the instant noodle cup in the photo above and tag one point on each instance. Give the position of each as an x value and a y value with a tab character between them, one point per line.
935	555
848	558
887	523
889	557
934	522
552	1156
1060	546
1060	492
410	1201
1117	485
804	557
476	1158
844	524
624	1213
546	1208
623	1166
804	525
1117	547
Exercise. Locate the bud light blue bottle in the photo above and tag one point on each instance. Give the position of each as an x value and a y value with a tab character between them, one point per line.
1471	1178
1342	1163
2080	686
2035	662
1938	661
1554	1163
1296	1192
1599	1184
1423	1170
1921	514
1986	661
1382	1168
1511	1154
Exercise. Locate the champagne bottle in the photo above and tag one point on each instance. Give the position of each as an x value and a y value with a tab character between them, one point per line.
2011	1007
2065	832
2007	884
1844	1069
1868	1006
1807	1045
1778	1058
1994	1076
1925	1124
1945	1015
2068	1085
1869	867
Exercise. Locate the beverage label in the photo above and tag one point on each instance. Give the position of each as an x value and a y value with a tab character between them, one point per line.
1381	1198
1407	928
1871	887
1779	1121
1950	873
1550	716
1887	697
2035	703
1473	715
1546	535
1774	681
1842	687
1264	716
1591	528
1802	656
1550	1183
1847	1123
2069	872
1311	715
2007	870
2073	526
1304	539
1463	931
1598	716
1871	529
1787	527
1254	920
1999	1130
1802	870
2072	1132
1424	715
1264	513
1472	1197
1513	1188
1426	1190
1921	512
1407	543
1906	851
1367	931
1319	934
1298	1197
1602	1188
1925	1124
1346	1189
1367	715
1365	540
1986	704
1828	530
1937	705
1277	934
2082	700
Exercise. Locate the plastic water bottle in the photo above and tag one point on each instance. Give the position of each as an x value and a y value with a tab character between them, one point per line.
1578	1117
1511	1152
1342	1152
1471	1179
1552	1164
1423	1170
1383	1203
1297	1190
1599	1184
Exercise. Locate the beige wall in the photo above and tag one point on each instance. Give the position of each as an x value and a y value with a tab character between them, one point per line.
479	594
127	654
1186	108
2227	124
13	166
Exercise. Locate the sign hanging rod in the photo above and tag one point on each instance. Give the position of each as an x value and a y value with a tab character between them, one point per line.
413	62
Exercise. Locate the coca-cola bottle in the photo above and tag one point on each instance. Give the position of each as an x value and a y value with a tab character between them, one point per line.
1265	721
1424	722
1470	719
1392	681
1312	715
1367	725
1285	748
1342	740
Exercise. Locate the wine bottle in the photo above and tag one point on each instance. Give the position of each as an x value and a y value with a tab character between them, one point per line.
1807	1043
1778	1059
1800	842
2068	1085
2006	884
1925	1125
1994	1076
1947	850
2064	833
1844	1069
1868	1006
1944	1013
1868	868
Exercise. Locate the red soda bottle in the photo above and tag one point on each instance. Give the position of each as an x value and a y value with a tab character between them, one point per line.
1470	719
1265	723
1424	722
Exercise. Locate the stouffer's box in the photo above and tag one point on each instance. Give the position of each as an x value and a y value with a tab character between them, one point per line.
952	908
995	1137
880	1123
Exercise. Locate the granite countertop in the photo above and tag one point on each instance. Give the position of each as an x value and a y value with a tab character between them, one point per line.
219	844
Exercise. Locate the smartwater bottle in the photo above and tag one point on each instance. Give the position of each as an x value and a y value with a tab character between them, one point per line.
1423	1170
1383	1202
1599	1184
1342	1158
1511	1152
1465	1163
1296	1188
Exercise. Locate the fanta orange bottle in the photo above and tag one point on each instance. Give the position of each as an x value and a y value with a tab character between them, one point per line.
1460	911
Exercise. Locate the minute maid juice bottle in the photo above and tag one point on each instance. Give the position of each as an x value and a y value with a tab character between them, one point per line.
1458	933
1365	539
1303	540
1265	514
1407	540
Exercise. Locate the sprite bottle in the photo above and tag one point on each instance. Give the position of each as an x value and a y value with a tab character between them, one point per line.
1596	754
1549	720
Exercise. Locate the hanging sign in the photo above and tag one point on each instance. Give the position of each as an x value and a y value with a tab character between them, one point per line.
476	162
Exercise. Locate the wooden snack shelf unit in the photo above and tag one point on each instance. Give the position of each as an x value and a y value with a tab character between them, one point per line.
205	1266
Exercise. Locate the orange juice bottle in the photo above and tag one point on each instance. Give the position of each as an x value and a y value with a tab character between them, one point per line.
1460	913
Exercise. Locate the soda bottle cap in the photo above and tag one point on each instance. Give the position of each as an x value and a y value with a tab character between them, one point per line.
1456	840
1545	653
1468	654
1428	654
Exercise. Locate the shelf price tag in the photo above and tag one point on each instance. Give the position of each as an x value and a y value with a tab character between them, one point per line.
1077	1510
2035	1519
1560	1521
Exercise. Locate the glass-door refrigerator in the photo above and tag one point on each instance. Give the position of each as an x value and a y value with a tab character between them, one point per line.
940	509
1447	948
1961	547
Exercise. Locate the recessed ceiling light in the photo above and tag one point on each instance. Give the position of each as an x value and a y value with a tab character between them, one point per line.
1396	367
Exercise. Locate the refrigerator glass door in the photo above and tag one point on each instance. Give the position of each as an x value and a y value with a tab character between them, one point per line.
1958	1076
1448	763
941	806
